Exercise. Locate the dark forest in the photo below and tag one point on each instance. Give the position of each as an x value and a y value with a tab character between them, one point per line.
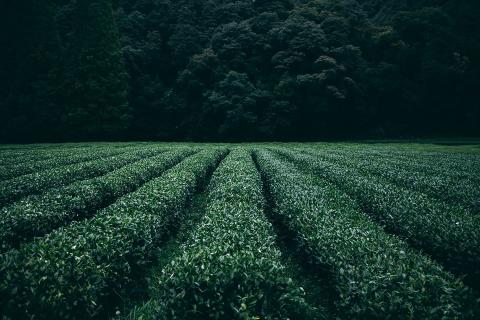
220	70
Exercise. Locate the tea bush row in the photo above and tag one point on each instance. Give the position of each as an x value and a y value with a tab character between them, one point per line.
34	154
37	215
447	186
81	270
458	165
35	183
25	167
449	235
376	275
230	267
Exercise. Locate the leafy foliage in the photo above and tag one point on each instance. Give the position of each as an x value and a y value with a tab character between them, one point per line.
445	231
299	231
393	280
49	161
38	214
38	182
239	70
78	271
236	274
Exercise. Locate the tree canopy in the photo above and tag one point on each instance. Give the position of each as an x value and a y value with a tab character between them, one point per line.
235	70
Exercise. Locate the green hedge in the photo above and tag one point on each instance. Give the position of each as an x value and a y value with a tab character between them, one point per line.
230	267
39	214
449	186
60	159
377	276
34	183
459	165
79	271
451	236
30	155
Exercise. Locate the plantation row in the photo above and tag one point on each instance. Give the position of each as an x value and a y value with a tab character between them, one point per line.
36	215
36	165
446	232
373	237
229	267
16	188
79	270
461	165
29	155
447	186
376	275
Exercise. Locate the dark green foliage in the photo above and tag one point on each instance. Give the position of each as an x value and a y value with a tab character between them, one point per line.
29	70
310	69
445	231
35	163
39	214
96	81
374	229
38	182
229	275
81	270
393	281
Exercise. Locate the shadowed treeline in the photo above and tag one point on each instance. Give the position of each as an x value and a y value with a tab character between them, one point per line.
220	70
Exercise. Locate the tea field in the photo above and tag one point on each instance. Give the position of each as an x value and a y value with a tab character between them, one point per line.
240	231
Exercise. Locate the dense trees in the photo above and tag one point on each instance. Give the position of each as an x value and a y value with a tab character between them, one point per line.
28	69
95	79
62	72
240	69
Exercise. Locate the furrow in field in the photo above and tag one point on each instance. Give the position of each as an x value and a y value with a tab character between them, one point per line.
37	215
317	284
82	270
229	267
376	276
451	236
36	183
140	306
134	302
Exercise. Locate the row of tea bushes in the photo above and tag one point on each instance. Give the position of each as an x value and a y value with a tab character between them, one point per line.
447	186
33	154
450	235
79	271
460	165
230	267
37	215
377	276
35	183
11	156
25	167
